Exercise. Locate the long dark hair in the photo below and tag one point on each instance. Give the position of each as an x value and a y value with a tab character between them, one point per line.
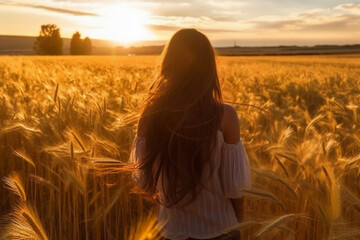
182	114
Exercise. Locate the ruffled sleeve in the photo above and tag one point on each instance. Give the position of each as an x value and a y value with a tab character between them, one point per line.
235	172
135	158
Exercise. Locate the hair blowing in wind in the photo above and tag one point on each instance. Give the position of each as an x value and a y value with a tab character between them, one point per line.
181	117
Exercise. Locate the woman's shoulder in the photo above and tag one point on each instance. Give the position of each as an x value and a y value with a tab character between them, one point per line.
228	109
230	124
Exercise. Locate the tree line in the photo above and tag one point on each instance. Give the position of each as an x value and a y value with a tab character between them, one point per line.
49	42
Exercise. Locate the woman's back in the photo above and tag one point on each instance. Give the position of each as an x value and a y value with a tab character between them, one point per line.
227	173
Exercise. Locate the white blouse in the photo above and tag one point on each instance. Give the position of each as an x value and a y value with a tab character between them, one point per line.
211	213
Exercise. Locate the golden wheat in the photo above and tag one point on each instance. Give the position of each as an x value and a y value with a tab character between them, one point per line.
67	125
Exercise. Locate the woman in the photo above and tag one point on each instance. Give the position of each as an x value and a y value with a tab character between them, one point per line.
188	151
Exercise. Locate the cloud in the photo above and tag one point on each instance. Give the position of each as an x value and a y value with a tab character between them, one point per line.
348	6
52	9
341	23
340	18
227	10
155	27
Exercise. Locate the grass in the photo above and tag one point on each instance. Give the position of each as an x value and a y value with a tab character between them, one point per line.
66	133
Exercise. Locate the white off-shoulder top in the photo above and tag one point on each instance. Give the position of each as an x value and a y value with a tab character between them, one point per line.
211	213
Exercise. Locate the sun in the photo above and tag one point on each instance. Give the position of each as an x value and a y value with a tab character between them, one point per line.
123	24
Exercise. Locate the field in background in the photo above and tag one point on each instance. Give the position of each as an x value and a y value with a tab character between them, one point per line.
66	132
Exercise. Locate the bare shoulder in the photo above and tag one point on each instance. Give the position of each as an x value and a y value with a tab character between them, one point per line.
230	124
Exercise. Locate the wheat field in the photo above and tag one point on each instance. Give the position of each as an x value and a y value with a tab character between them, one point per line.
67	126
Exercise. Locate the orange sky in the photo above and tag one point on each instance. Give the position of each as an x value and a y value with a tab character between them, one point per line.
249	22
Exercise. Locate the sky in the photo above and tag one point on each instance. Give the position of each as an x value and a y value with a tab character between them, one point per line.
225	22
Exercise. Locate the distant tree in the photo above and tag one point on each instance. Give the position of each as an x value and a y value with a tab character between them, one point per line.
76	44
87	46
80	47
49	41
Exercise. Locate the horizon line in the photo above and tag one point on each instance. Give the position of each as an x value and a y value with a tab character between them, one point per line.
115	44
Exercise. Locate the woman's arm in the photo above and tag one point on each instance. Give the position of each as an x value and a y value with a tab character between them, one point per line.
231	131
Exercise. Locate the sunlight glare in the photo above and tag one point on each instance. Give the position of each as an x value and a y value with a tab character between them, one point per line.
123	24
